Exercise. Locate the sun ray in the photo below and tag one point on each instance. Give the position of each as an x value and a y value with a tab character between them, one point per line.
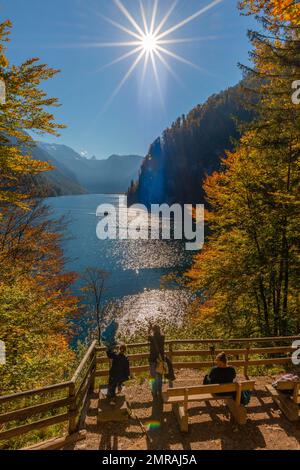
178	57
122	57
165	18
129	16
152	37
144	17
168	67
154	13
189	19
154	66
147	57
121	27
187	40
103	44
126	77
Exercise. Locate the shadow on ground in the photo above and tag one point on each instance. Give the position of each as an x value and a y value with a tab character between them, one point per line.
153	426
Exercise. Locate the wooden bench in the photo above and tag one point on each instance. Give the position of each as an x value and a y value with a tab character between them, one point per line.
180	397
289	404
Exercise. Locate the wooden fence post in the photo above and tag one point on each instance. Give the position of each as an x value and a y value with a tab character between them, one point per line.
186	401
72	408
93	371
296	393
238	394
246	361
171	359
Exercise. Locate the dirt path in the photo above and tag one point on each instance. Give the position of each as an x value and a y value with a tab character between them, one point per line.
211	428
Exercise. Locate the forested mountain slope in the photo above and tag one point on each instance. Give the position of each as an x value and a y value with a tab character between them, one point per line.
177	162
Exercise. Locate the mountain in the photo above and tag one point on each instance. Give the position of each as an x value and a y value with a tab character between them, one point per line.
58	182
112	175
178	161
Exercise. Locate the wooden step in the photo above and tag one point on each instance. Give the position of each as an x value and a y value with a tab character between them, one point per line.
285	403
113	413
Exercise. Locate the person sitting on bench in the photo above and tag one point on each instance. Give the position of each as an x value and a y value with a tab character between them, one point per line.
119	372
222	373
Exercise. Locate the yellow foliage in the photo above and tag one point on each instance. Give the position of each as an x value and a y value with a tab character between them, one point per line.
25	109
276	10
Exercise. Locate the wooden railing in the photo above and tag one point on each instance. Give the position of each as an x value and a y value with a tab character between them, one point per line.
67	402
241	356
61	403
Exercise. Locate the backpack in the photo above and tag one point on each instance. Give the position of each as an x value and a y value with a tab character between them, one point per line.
245	397
161	366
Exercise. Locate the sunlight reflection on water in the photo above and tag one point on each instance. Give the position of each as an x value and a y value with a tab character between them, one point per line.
162	306
135	266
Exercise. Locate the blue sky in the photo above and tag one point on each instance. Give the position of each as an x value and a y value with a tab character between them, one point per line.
63	34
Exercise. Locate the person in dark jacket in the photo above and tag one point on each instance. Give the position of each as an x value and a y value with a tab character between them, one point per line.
119	372
157	351
222	373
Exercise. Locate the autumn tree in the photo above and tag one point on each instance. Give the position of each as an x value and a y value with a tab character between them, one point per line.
274	10
24	109
249	270
37	307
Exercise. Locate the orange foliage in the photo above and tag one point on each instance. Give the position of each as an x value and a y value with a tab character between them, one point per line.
278	10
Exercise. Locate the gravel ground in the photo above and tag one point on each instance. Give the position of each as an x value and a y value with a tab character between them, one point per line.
211	427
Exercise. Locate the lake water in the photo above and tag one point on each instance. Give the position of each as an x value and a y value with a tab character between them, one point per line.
135	266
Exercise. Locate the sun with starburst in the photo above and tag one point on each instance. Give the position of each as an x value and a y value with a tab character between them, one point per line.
150	39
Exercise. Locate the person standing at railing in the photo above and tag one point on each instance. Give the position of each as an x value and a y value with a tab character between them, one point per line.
119	372
157	362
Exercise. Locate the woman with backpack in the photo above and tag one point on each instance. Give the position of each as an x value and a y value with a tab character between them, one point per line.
156	360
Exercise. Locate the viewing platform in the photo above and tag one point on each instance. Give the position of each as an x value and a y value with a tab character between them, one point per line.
206	421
